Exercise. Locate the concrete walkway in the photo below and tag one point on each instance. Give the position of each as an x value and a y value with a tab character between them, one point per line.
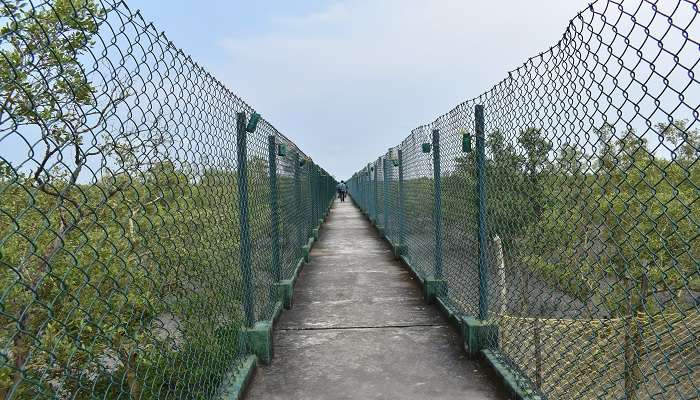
359	329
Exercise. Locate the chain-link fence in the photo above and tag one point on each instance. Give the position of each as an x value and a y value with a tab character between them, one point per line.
563	207
146	212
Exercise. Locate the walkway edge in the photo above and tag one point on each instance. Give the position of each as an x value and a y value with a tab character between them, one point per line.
241	379
508	377
259	337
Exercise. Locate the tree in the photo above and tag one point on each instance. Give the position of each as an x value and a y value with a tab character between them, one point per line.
687	141
506	189
42	84
537	148
117	254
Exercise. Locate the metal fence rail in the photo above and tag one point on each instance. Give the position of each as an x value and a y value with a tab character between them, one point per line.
146	214
562	207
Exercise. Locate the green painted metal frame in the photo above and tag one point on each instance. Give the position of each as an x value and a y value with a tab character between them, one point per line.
385	164
274	209
481	190
298	203
375	200
245	256
437	210
402	213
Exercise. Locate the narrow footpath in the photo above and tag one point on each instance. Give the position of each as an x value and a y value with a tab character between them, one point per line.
359	329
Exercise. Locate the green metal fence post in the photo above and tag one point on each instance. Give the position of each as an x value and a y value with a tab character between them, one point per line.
368	186
480	334
320	194
357	194
245	257
358	187
309	211
435	286
274	208
309	181
385	165
317	194
402	227
375	200
314	199
481	190
437	215
297	203
368	203
367	193
317	201
326	200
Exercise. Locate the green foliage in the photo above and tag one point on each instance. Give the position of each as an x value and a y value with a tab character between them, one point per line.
686	141
155	253
650	221
104	279
42	81
420	191
119	233
620	217
628	222
570	279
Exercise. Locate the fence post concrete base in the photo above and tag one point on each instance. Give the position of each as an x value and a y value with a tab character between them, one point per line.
478	335
240	380
397	249
434	288
305	252
259	340
512	379
285	292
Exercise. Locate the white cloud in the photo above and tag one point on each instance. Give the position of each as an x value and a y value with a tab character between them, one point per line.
350	80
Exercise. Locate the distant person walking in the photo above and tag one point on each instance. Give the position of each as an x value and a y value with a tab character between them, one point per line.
342	190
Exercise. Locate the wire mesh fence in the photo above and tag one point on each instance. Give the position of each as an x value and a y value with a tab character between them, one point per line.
562	206
145	212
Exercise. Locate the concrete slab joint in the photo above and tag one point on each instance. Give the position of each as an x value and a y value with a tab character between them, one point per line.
360	328
479	335
259	340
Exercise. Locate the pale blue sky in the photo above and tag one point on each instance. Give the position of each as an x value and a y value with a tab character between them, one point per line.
347	79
